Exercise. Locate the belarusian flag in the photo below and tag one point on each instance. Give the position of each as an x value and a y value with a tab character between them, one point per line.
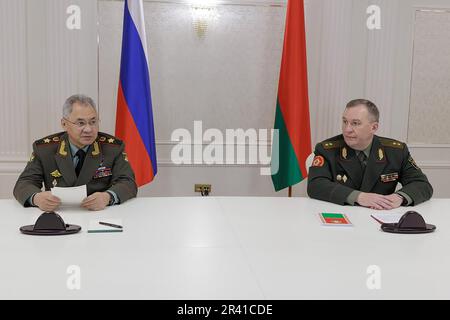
292	113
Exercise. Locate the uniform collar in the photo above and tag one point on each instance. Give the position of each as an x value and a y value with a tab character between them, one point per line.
366	150
74	149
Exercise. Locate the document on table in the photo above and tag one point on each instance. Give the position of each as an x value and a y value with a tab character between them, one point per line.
71	196
387	217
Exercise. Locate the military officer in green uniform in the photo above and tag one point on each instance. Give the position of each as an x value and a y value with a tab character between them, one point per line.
80	155
360	168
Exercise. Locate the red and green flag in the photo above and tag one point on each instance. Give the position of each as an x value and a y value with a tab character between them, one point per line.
293	144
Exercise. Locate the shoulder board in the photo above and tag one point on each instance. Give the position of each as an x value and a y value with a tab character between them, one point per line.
51	139
331	144
105	138
392	143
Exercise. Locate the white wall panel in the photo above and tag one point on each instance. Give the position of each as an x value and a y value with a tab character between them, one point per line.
13	84
429	115
332	68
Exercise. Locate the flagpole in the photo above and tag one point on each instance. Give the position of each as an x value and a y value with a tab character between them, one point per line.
290	192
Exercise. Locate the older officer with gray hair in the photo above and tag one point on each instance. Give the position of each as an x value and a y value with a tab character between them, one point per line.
360	168
76	156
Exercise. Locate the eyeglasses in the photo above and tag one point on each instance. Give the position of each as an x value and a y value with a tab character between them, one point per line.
82	123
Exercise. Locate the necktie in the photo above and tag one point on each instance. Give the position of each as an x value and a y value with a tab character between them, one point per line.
81	155
362	159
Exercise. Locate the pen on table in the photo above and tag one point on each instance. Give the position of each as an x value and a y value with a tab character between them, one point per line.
110	225
378	220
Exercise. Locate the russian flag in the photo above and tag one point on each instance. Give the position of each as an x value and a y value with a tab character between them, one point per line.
134	117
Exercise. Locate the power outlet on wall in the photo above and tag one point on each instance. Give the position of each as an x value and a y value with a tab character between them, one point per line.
204	189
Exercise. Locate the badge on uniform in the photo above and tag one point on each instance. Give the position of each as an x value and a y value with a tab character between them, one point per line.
413	163
344	153
102	172
380	154
389	177
341	178
56	174
318	161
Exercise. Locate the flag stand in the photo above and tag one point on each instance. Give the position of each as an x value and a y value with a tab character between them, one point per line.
290	192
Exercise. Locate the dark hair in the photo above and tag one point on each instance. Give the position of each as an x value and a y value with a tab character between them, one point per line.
371	107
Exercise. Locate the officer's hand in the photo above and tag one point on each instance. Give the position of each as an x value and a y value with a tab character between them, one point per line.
96	201
46	201
396	199
376	201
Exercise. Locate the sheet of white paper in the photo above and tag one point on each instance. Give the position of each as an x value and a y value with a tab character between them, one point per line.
70	196
387	217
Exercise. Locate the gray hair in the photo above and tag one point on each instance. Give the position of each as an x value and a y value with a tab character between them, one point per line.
370	106
77	98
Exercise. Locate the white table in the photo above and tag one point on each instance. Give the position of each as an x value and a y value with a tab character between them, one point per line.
225	248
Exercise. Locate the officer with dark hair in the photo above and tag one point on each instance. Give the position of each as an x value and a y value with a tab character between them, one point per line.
360	168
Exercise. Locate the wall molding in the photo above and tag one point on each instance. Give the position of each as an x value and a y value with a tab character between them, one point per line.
434	164
427	146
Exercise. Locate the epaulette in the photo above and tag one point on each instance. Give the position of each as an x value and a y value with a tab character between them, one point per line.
105	138
51	139
332	144
386	142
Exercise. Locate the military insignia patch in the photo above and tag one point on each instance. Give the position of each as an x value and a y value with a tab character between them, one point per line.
102	172
344	153
389	177
96	150
109	140
380	154
56	174
62	149
344	178
339	178
413	163
318	161
392	143
48	140
125	157
31	157
331	144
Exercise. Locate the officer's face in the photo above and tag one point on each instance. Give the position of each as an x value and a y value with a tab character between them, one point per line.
358	127
81	125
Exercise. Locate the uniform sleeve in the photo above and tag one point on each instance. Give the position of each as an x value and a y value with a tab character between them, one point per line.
320	181
352	197
123	180
30	180
414	182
